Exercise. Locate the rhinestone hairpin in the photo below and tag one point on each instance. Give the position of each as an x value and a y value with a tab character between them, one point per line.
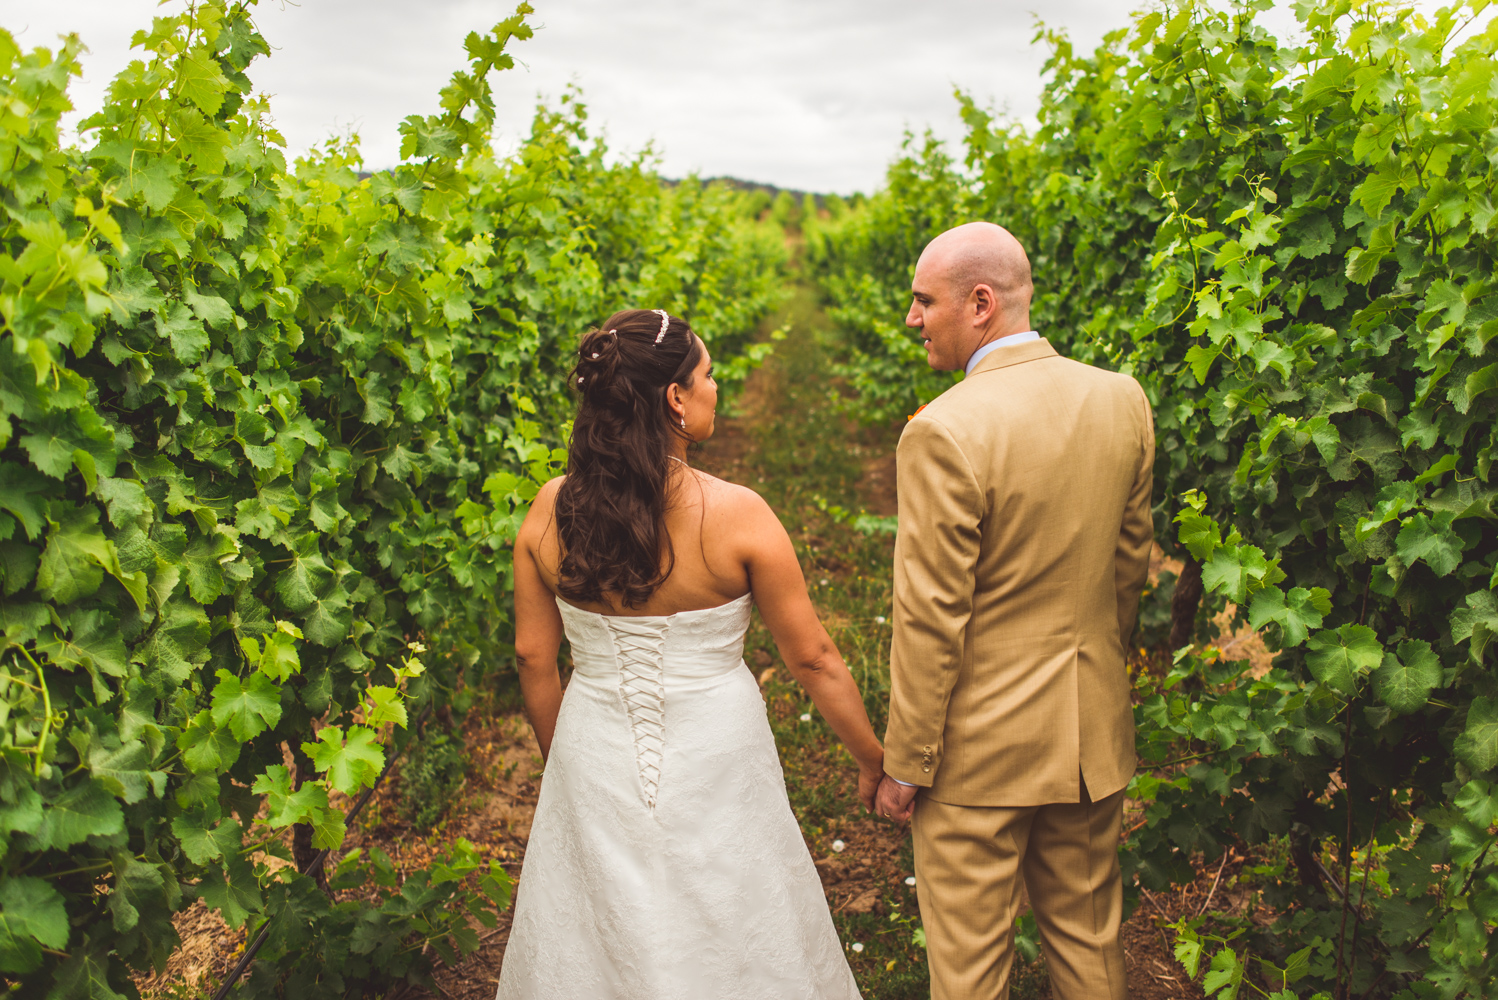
665	321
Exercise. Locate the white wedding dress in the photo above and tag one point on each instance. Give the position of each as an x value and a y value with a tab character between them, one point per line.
664	862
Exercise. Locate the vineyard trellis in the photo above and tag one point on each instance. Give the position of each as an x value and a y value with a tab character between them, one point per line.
265	432
1292	247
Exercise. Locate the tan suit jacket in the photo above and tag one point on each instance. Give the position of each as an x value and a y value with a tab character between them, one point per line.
1024	541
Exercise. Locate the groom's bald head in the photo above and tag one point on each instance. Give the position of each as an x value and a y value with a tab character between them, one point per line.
971	287
981	253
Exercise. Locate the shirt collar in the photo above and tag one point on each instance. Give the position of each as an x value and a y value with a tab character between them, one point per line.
994	345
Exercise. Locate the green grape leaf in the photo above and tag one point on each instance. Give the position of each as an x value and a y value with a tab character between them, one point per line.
137	885
95	644
1404	683
32	916
1199	533
234	898
84	975
1477	746
248	708
280	658
328	620
1188	950
178	642
1431	540
328	829
72	564
207	749
349	765
1338	658
255	517
185	332
385	705
1200	358
125	770
209	308
201	80
23	815
203	840
18	562
1299	612
1237	571
78	555
299	583
1478	621
1478	802
285	806
203	570
1225	976
84	810
22	493
125	500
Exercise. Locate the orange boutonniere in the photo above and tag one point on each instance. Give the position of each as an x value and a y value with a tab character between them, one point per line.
917	412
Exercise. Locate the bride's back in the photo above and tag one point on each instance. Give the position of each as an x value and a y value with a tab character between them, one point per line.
710	529
632	529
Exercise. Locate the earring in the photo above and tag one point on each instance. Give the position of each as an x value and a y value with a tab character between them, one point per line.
683	423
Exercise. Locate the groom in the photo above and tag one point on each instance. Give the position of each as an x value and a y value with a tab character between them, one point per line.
1024	540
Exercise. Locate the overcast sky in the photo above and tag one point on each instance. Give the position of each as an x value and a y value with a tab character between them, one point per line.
810	94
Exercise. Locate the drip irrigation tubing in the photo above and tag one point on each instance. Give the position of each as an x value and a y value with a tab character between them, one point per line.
315	865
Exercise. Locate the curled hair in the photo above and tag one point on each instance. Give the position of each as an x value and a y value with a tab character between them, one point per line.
611	508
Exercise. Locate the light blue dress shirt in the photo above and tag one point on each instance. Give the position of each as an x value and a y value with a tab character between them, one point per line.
972	362
994	345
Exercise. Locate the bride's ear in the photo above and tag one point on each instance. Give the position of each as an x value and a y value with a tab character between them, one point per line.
673	399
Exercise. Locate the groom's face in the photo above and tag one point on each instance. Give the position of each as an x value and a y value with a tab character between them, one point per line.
937	311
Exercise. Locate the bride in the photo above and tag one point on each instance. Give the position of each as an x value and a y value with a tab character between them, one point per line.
664	862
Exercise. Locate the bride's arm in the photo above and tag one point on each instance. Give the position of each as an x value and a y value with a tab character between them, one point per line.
538	626
780	592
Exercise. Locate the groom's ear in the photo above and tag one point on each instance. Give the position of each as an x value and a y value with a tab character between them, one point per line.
985	303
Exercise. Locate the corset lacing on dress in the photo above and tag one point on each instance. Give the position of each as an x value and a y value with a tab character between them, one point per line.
639	646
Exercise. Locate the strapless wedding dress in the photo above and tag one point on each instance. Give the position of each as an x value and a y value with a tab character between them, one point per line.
664	862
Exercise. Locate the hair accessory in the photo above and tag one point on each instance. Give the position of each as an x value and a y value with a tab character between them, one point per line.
595	355
665	321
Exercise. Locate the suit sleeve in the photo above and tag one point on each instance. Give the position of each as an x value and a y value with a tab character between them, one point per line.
1136	536
936	556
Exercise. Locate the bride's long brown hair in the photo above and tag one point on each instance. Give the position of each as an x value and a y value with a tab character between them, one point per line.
611	508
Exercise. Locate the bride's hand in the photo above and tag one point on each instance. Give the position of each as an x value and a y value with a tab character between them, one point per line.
868	785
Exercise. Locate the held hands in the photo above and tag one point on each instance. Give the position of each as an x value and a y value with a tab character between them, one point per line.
868	785
893	800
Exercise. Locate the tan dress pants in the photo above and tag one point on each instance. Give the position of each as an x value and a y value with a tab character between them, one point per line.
968	864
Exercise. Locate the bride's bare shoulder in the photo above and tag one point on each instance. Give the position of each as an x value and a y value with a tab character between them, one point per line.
538	519
731	502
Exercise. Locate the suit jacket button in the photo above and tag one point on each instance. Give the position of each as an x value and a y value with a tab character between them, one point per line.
926	768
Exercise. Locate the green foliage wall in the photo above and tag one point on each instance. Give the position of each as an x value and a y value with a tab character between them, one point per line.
265	434
1292	246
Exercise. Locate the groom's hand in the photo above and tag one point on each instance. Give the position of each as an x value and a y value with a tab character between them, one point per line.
894	800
